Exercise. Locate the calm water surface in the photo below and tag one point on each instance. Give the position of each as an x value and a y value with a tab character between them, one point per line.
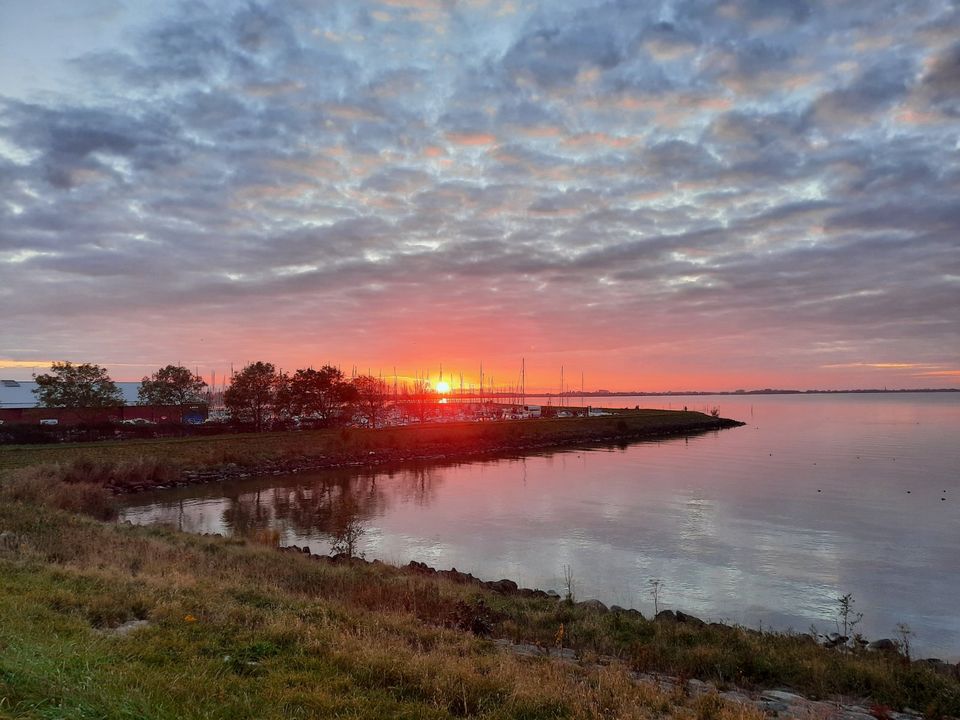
767	524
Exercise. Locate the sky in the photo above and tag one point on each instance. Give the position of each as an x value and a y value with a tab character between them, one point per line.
649	195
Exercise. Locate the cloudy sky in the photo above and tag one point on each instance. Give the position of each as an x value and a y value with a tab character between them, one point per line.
661	195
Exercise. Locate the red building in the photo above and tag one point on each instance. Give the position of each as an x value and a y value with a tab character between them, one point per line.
193	413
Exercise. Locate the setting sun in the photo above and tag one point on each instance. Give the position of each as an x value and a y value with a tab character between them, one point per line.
443	387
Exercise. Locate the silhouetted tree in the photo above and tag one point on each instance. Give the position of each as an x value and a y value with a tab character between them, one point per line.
76	386
252	394
171	385
320	394
422	401
371	398
282	398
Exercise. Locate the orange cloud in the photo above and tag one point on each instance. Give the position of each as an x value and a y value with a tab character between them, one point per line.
882	365
471	139
10	364
593	139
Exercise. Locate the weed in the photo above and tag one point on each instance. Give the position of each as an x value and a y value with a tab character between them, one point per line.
568	584
904	634
847	617
708	706
656	585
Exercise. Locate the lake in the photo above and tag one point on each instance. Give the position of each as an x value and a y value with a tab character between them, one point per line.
765	525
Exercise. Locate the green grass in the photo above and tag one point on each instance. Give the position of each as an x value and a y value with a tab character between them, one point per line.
242	631
239	630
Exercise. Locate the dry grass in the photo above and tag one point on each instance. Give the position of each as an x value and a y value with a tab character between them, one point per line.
237	630
169	455
240	630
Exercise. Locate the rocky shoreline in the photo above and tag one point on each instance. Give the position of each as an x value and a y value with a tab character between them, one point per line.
435	452
777	702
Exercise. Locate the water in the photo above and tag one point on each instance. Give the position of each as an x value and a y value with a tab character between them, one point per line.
764	525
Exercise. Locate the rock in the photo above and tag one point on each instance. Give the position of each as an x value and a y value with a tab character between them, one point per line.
941	667
835	640
736	696
666	616
617	609
594	605
459	577
782	696
855	714
504	587
420	568
691	619
883	645
128	627
554	594
774	706
699	687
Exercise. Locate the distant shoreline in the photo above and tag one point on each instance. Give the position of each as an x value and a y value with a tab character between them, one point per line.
736	393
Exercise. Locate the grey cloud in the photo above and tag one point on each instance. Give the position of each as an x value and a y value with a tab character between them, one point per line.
873	90
941	85
67	138
293	154
552	56
678	159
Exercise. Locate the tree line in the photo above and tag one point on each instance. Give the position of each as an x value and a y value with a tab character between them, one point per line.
259	395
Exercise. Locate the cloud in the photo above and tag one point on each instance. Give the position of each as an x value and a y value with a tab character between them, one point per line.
302	178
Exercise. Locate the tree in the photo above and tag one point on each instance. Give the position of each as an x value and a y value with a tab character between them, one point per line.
76	386
252	394
320	394
371	398
282	397
171	385
422	402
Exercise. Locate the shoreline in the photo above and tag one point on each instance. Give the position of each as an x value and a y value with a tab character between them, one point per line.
510	588
248	612
124	467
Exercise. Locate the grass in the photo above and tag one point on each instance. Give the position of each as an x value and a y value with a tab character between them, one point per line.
159	458
236	629
239	630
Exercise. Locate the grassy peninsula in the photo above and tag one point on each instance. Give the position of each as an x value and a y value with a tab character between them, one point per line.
138	464
101	620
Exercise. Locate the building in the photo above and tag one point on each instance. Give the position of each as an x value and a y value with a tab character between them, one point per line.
19	393
18	406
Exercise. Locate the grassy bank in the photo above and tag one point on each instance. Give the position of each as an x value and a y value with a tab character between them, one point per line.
235	630
160	461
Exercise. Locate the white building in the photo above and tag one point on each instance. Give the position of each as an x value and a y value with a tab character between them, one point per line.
19	393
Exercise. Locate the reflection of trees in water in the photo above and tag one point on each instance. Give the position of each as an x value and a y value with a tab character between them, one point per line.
417	484
333	504
329	506
246	513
